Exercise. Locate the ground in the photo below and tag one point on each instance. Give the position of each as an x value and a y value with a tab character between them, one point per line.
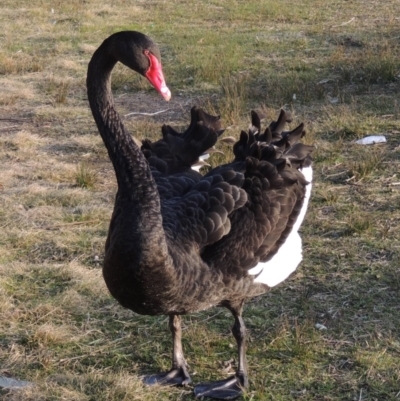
329	332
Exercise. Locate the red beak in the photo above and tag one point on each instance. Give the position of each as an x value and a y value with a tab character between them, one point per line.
156	77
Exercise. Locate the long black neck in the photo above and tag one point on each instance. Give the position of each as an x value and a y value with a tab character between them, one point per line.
138	198
131	168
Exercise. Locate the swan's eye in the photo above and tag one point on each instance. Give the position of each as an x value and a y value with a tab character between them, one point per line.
150	57
147	53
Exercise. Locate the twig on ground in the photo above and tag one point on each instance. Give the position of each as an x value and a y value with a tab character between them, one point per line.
344	23
145	114
9	127
73	223
336	174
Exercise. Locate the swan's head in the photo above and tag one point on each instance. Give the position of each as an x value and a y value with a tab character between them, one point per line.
138	52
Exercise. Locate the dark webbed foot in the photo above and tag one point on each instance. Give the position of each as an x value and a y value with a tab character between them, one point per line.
234	386
178	375
175	377
227	389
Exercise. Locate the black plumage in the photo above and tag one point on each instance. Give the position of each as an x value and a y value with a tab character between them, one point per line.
176	152
181	242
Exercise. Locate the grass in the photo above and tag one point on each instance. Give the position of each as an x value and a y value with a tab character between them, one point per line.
59	327
85	177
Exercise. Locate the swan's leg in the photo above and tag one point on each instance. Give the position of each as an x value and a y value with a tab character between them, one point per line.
178	375
233	386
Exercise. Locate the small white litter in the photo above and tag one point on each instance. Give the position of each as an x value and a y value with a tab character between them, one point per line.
320	326
10	384
325	81
333	100
371	140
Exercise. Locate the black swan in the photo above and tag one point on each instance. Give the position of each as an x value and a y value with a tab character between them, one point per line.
180	242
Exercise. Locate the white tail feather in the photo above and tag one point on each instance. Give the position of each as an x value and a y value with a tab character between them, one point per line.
289	254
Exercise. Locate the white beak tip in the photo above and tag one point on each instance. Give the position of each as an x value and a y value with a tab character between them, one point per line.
166	93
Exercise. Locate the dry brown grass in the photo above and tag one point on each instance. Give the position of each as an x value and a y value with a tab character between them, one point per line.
60	329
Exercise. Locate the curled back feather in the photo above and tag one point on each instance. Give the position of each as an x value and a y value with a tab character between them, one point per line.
176	152
275	145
